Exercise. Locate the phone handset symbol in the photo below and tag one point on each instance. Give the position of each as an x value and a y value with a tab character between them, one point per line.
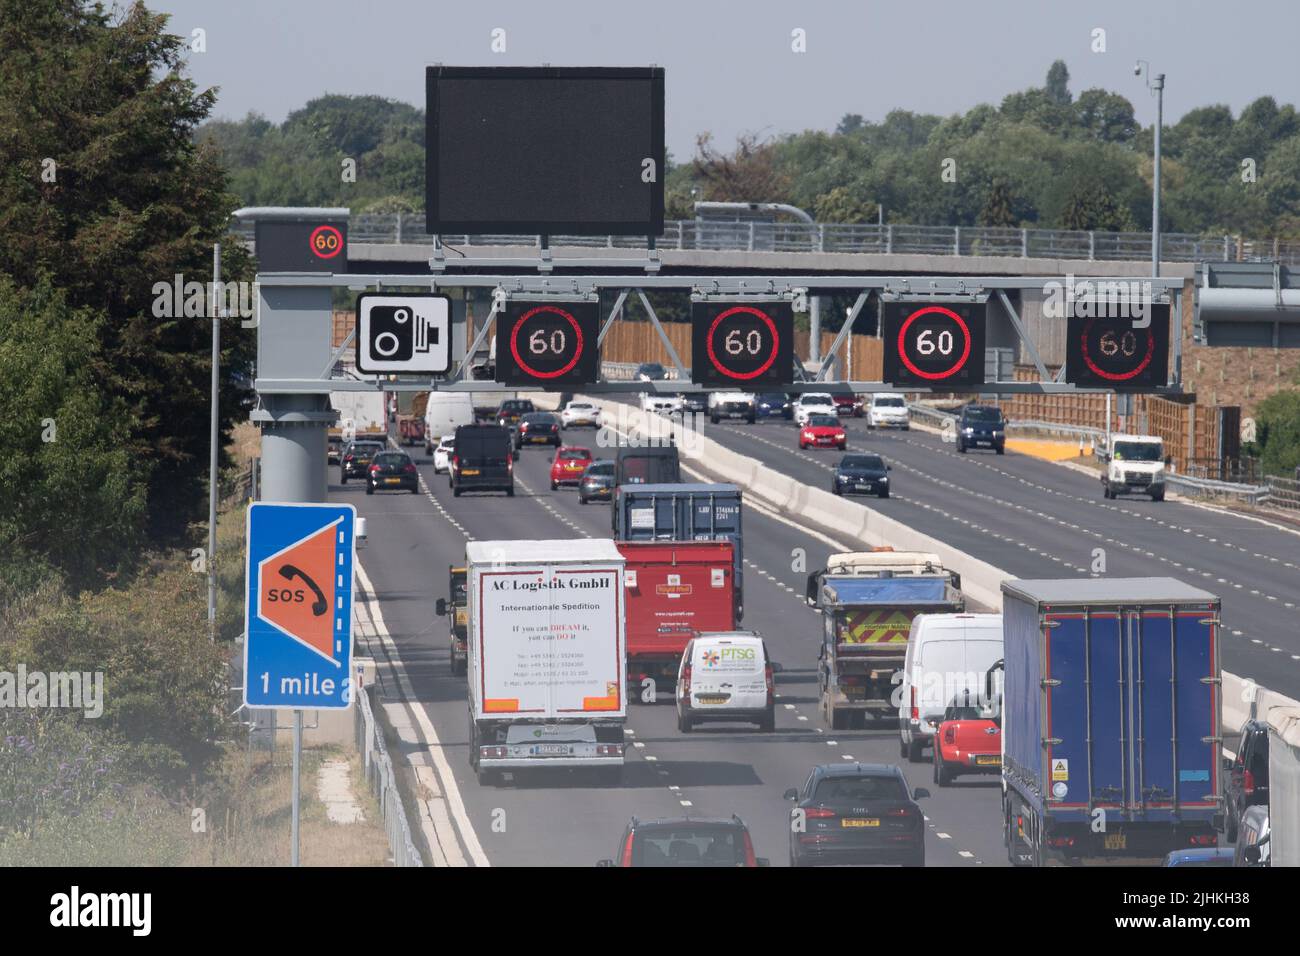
320	605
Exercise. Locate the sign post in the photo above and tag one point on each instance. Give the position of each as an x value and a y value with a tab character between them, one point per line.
298	614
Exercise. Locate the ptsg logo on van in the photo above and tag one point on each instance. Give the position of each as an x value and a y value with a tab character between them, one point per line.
724	655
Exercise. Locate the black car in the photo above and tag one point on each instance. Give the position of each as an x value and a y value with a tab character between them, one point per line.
981	426
861	475
356	459
392	471
483	461
859	813
650	372
597	481
703	842
513	409
538	428
694	402
774	405
1245	781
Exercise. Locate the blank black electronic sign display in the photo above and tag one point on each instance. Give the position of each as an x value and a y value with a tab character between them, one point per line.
747	345
1113	353
550	344
933	345
545	150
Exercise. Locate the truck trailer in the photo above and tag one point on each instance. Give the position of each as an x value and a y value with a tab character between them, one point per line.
547	656
868	600
1111	714
675	589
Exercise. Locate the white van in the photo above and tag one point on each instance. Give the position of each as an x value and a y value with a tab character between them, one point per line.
445	411
948	655
726	676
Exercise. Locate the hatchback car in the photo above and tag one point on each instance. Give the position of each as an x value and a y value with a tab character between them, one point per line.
967	740
861	475
569	464
538	428
813	403
823	431
356	459
442	454
513	409
1246	776
888	411
847	404
857	813
703	842
981	426
392	471
774	405
579	414
597	482
697	403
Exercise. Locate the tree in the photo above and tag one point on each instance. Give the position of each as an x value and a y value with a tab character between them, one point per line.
1058	84
1277	424
997	207
125	200
1105	117
748	174
844	204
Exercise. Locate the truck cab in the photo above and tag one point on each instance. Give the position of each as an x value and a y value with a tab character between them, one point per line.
455	607
868	600
1134	464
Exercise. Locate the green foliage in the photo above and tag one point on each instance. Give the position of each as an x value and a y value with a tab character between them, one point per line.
1277	430
127	199
115	829
73	496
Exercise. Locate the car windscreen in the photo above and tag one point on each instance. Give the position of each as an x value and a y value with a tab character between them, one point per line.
1137	451
863	463
575	454
687	845
367	450
601	468
816	398
888	401
963	712
772	398
392	458
859	789
824	421
982	415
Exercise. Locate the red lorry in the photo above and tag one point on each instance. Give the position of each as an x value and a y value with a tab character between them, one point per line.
674	589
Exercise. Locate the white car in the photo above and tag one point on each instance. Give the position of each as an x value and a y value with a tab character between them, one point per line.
661	404
888	410
732	405
442	454
813	403
579	413
725	676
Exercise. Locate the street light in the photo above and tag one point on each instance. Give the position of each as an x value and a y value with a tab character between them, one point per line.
1156	85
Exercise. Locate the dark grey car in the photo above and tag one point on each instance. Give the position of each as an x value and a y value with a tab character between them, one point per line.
597	482
859	813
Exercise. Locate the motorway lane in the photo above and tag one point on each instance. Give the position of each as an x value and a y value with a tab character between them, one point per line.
560	818
1036	519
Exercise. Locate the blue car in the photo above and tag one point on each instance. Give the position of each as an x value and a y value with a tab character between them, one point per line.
1200	856
774	405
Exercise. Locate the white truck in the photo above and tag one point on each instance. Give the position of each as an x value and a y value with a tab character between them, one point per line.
1135	464
361	415
547	656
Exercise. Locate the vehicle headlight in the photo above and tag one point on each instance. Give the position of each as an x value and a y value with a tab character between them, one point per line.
883	478
968	431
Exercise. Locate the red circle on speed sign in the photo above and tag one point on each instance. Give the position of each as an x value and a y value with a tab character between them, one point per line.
514	341
323	237
961	324
747	310
1116	376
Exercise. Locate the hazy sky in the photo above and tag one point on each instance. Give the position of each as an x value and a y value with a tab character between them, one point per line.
729	65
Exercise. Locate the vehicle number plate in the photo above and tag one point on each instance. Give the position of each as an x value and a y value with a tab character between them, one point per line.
469	471
392	481
553	750
859	822
711	699
1115	841
988	761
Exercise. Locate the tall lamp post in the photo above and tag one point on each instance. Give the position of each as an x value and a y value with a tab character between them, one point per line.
1156	85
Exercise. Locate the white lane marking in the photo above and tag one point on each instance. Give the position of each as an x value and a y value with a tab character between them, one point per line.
445	776
966	853
943	836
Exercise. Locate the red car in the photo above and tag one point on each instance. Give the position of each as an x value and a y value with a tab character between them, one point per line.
569	466
823	431
847	404
966	741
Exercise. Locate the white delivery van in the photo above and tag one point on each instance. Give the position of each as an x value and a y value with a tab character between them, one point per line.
547	656
443	413
948	655
725	676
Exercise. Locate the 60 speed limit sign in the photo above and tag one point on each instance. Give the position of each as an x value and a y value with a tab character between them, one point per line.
934	345
747	345
551	344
